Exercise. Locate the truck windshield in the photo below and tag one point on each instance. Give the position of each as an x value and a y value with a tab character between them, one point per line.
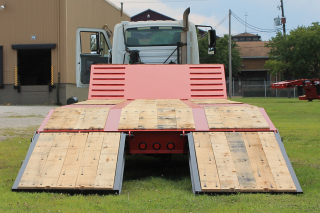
153	36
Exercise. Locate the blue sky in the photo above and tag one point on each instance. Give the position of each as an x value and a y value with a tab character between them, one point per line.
260	13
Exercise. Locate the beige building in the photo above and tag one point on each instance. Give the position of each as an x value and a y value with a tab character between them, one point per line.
38	43
254	55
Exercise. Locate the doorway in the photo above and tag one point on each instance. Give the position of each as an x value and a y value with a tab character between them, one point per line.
34	66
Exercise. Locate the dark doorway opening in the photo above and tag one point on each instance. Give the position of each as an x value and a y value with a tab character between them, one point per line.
34	66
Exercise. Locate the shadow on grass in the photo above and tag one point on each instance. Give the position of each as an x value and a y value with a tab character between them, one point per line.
141	167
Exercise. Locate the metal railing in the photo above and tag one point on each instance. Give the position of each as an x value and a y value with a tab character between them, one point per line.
260	89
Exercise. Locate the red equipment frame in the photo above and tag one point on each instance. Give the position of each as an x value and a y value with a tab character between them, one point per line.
132	82
309	86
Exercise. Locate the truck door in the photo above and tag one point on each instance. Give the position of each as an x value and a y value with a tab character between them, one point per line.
92	47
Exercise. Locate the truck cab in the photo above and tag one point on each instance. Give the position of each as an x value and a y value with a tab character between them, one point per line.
152	42
142	42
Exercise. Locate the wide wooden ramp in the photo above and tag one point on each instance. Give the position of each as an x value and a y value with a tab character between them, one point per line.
73	161
239	162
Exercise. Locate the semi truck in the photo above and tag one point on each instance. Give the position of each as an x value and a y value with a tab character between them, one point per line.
149	95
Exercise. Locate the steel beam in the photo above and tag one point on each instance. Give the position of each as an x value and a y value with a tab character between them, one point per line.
120	165
194	172
25	162
286	158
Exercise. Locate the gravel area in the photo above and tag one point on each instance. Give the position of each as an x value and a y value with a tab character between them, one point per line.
22	116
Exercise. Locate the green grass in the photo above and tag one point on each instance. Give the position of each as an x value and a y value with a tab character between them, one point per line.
26	116
151	185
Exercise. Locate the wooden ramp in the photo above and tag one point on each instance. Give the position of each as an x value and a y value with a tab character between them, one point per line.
73	161
240	162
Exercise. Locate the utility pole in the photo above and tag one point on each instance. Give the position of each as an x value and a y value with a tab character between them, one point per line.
282	19
245	29
230	62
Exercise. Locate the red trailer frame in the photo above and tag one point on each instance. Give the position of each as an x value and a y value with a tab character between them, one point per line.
309	86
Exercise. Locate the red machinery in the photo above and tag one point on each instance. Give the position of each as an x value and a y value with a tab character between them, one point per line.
310	86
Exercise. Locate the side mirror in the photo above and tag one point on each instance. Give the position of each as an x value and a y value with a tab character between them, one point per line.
211	42
93	42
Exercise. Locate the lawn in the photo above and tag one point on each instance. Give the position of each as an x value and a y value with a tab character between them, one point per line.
151	185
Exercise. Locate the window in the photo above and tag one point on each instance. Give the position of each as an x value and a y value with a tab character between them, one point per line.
255	39
153	36
248	39
241	39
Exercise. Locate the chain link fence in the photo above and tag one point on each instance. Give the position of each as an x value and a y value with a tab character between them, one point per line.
261	89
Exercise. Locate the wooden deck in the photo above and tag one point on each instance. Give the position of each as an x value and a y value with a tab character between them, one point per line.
156	114
72	161
235	117
78	118
241	161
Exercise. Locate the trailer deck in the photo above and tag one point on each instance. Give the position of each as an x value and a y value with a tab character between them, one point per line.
232	147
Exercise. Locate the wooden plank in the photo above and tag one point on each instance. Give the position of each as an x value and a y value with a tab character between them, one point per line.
55	159
184	118
148	117
177	103
70	168
101	102
228	118
225	166
213	118
57	118
94	141
108	161
88	169
235	117
278	166
166	118
71	118
37	161
106	170
259	122
208	172
53	166
213	101
149	103
129	118
85	118
241	161
242	117
136	103
259	162
92	118
100	118
163	103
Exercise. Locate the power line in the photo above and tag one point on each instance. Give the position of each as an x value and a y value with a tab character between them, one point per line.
253	27
221	22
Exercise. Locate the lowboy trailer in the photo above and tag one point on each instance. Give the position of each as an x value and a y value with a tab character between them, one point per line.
157	109
155	98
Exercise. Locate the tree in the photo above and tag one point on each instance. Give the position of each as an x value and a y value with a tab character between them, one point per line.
297	53
222	54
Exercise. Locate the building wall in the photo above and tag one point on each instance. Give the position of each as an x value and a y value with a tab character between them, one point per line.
21	19
98	13
253	64
52	21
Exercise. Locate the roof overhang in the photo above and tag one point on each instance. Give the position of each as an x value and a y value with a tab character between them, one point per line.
33	46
